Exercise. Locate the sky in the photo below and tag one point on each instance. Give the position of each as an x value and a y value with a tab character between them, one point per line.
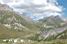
64	4
38	9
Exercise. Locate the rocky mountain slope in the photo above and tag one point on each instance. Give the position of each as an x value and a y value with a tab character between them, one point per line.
52	27
15	24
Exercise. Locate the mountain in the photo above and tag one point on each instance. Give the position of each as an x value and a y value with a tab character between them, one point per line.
14	25
52	27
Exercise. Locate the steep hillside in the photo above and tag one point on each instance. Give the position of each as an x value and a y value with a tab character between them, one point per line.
20	25
52	27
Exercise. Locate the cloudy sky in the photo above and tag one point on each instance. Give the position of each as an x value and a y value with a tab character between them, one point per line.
64	4
37	9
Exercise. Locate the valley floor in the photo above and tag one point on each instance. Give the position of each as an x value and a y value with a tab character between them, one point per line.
58	41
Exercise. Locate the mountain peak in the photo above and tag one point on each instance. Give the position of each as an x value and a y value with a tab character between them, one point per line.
5	7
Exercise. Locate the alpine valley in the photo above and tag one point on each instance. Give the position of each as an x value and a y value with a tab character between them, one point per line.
20	29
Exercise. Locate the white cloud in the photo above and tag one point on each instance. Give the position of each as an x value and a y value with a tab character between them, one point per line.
37	8
39	2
